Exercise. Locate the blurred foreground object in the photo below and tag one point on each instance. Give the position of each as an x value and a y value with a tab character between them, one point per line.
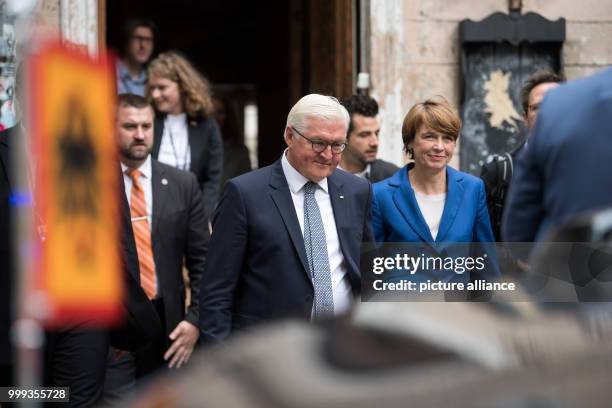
578	256
74	182
424	354
547	189
430	354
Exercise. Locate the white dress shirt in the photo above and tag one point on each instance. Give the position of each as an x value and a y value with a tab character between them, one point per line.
340	282
145	183
174	148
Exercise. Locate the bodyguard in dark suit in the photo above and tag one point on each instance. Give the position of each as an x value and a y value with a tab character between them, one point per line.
566	166
179	231
167	213
286	238
359	158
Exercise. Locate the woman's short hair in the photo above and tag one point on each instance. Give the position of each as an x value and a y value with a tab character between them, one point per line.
435	113
194	88
315	106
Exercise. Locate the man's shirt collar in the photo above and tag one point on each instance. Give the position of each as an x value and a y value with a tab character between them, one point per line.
145	168
123	73
295	179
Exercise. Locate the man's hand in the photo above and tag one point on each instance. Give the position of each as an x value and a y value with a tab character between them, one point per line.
184	338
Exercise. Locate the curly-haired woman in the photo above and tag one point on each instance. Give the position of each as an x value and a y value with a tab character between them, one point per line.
186	134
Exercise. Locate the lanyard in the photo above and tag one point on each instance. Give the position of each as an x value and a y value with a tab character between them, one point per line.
184	165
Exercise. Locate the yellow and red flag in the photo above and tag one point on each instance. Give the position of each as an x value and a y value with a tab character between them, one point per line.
75	208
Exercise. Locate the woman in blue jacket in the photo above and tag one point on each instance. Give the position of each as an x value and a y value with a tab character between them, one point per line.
429	203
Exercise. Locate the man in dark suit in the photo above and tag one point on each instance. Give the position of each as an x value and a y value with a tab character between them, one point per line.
497	171
287	238
169	224
565	168
359	157
138	41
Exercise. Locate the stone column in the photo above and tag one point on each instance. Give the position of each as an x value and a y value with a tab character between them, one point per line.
79	23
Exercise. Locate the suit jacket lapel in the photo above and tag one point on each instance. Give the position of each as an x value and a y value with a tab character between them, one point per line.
374	171
339	207
284	203
406	203
341	217
454	197
159	194
158	131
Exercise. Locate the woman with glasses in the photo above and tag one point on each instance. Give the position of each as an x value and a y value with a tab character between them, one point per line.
427	201
186	134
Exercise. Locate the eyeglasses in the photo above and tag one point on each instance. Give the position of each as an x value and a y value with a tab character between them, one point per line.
140	38
319	146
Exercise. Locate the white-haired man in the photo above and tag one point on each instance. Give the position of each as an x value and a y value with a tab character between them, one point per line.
287	238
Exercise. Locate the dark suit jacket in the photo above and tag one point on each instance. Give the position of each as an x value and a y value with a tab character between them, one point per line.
380	170
256	269
206	155
142	323
180	229
565	168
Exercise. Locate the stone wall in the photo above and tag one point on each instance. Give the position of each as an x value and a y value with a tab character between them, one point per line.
72	20
414	48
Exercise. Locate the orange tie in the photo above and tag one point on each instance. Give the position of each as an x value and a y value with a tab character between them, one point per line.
142	233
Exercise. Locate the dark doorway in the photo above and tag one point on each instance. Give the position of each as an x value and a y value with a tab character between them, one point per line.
257	53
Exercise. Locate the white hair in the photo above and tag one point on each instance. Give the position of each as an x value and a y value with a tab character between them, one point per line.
315	106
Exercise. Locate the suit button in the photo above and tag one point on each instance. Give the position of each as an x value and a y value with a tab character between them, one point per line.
308	298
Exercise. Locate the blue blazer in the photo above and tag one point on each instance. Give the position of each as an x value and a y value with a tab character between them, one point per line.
257	268
396	216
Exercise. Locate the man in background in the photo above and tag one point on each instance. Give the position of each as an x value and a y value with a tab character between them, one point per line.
497	172
565	170
359	157
139	37
167	215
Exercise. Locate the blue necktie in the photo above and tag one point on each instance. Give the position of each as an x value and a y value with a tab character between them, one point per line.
316	253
